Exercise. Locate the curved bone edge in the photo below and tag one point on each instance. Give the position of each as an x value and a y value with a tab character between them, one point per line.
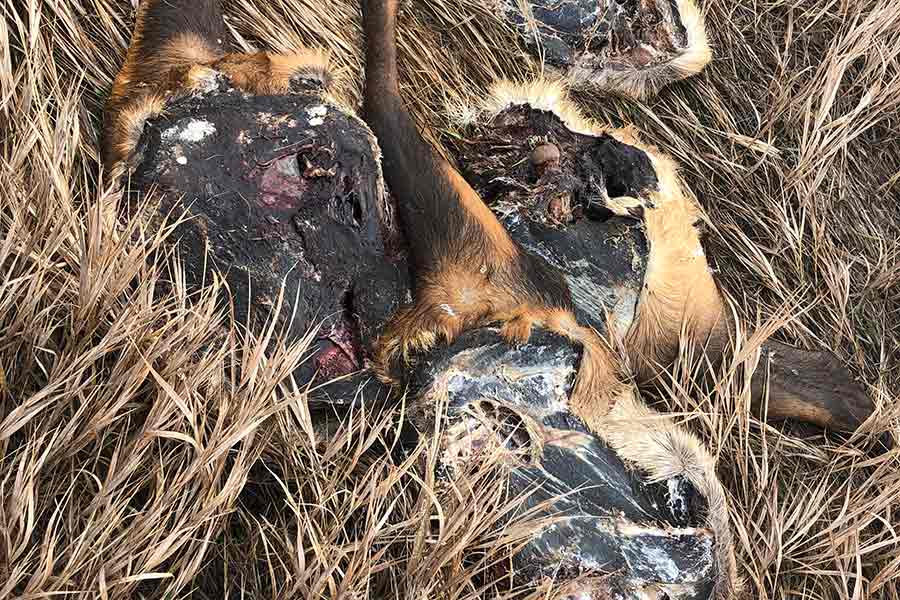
282	190
649	533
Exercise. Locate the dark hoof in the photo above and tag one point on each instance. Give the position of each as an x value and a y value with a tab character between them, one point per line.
813	387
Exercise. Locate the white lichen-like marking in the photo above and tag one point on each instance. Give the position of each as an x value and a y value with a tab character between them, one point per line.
632	546
316	114
630	529
206	83
662	561
197	130
181	160
619	300
677	498
194	130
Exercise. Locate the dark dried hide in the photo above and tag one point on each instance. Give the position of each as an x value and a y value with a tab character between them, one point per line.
651	537
634	47
281	191
637	504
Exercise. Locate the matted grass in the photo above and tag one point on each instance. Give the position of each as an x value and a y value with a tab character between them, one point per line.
144	451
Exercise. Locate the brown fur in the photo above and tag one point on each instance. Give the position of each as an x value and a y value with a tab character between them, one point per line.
264	74
469	271
679	289
175	47
681	309
814	387
142	88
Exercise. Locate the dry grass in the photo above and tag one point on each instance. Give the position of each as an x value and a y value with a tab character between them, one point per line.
148	448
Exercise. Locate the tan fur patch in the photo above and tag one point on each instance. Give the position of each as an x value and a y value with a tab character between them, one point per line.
143	86
541	94
264	73
141	71
129	124
679	288
623	205
795	407
653	443
599	382
187	49
313	64
642	83
199	78
698	52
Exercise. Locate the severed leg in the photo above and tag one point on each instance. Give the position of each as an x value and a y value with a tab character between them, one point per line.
468	269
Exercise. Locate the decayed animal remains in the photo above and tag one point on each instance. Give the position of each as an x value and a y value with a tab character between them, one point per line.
557	261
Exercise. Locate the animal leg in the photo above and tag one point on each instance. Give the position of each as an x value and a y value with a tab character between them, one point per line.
814	387
681	295
169	37
473	268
